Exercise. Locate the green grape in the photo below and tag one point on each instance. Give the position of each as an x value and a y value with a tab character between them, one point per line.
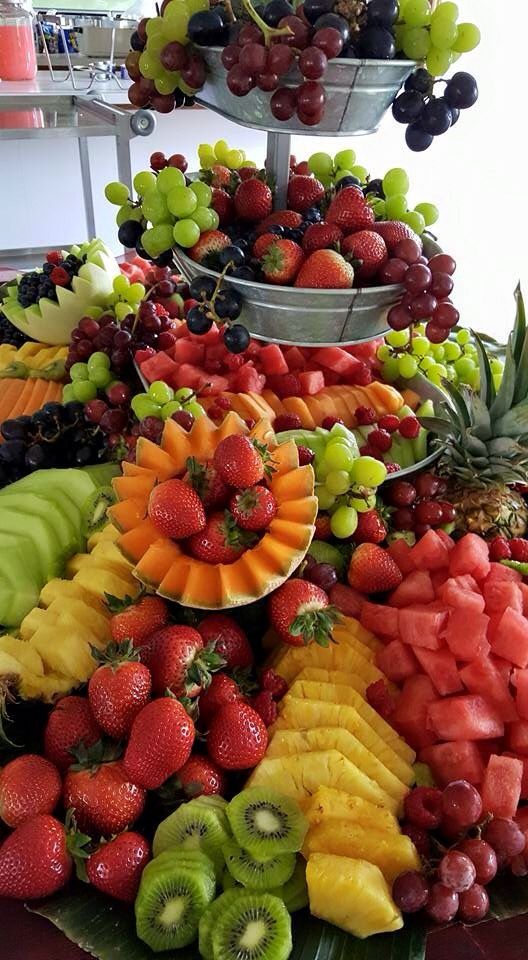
420	346
79	371
150	65
154	207
93	312
344	159
343	522
143	182
136	292
452	351
117	193
429	212
321	470
122	310
101	377
158	239
340	174
417	13
396	206
470	350
84	390
468	37
154	26
194	6
155	46
407	366
436	373
395	181
326	499
414	220
368	472
443	33
446	10
399	30
186	233
204	217
182	201
419	329
143	406
168	82
326	179
390	370
360	172
397	338
416	43
438	61
206	156
169	408
97	359
120	284
215	219
321	163
383	352
450	372
67	393
128	213
183	394
220	150
235	159
438	352
463	336
168	178
366	500
426	363
338	455
195	408
379	208
203	192
175	22
160	392
337	482
496	366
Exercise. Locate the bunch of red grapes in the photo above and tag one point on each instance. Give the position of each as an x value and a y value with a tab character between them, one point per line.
463	857
428	284
249	63
103	335
418	504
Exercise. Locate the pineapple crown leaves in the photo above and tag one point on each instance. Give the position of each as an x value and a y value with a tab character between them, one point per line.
92	757
233	535
118	604
316	625
268	461
8	684
115	654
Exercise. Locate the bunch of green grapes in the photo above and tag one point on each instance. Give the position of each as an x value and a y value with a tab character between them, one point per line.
88	378
404	355
221	152
433	35
330	171
126	297
161	401
345	482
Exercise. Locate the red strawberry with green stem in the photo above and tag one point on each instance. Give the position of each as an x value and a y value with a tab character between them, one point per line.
281	262
223	204
160	742
135	620
237	738
28	785
393	231
300	613
102	796
222	541
115	868
281	218
322	236
254	508
118	689
371	528
222	689
210	242
241	462
253	200
176	509
36	860
204	478
227	639
350	211
179	661
70	723
201	777
304	192
367	251
372	569
325	270
263	243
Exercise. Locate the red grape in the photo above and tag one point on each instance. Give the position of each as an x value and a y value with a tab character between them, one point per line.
162	103
408	249
426	484
119	394
94	410
267	81
442	263
442	905
250	33
419	837
329	40
88	327
457	871
310	119
506	838
420	530
401	493
323	575
152	323
442	285
410	891
483	857
428	511
461	801
230	55
280	59
418	278
423	306
310	97
448	511
239	81
184	418
399	318
177	160
85	348
146	309
166	287
283	103
142	28
147	86
473	904
137	97
519	866
403	518
300	32
253	58
313	63
436	334
194	72
423	806
167	340
174	56
446	315
113	421
393	271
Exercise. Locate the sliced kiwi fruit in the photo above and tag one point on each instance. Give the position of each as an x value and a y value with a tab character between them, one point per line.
193	859
258	874
211	800
193	826
94	510
294	893
227	881
169	905
208	922
266	823
324	552
254	927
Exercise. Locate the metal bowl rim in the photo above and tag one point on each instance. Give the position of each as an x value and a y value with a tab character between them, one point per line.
349	60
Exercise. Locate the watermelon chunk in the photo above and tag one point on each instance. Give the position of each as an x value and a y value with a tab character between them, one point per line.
468	717
448	541
441	666
422	628
397	661
336	359
503	666
430	552
400	552
455	593
500	594
510	639
211	385
159	367
524	783
454	760
273	360
517	737
415	588
470	555
464	643
481	676
294	359
499	572
186	375
346	599
524	591
312	381
410	715
188	351
248	380
501	787
380	620
520	681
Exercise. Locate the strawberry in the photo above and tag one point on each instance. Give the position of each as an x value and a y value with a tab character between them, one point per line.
325	270
28	785
350	211
239	461
212	241
263	243
372	569
160	742
302	167
179	661
300	612
370	528
230	641
246	173
103	797
499	549
118	689
254	508
222	177
304	192
35	859
176	509
135	620
70	723
200	777
393	231
222	541
237	738
284	385
281	262
273	683
60	277
222	689
282	218
287	421
368	250
253	200
116	867
519	549
224	206
204	478
264	704
322	236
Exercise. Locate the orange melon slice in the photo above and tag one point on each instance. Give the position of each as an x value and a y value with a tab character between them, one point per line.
297	406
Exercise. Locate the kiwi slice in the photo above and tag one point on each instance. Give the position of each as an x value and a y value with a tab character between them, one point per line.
193	859
194	826
257	926
169	905
208	922
324	552
227	880
94	510
258	874
294	893
266	822
211	800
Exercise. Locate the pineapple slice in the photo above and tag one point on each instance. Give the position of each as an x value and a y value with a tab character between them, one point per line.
351	894
300	777
349	625
107	554
99	581
393	853
26	656
300	714
33	620
287	742
319	675
85	616
338	693
46	688
330	804
109	532
68	589
289	661
64	651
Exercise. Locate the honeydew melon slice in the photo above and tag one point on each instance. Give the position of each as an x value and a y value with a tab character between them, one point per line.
19	579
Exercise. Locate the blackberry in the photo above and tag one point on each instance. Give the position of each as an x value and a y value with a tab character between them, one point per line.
9	333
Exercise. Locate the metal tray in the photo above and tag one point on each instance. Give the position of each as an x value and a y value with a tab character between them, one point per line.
358	94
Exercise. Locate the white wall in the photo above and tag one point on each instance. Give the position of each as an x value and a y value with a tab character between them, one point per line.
475	173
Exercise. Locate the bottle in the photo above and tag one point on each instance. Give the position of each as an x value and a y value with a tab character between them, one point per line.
18	59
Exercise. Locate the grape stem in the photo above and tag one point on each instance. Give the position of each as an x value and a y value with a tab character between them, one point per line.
269	32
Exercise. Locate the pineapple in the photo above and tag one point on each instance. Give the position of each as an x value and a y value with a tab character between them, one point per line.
85	616
109	532
301	776
64	652
284	743
24	653
349	627
329	804
32	621
351	894
393	853
68	589
334	676
289	661
485	438
100	581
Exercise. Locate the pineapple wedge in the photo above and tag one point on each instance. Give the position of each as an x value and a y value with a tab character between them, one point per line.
393	853
338	693
352	894
284	743
22	652
107	554
99	581
64	651
300	714
46	688
33	620
300	777
348	627
68	589
328	804
319	675
289	661
109	532
85	616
